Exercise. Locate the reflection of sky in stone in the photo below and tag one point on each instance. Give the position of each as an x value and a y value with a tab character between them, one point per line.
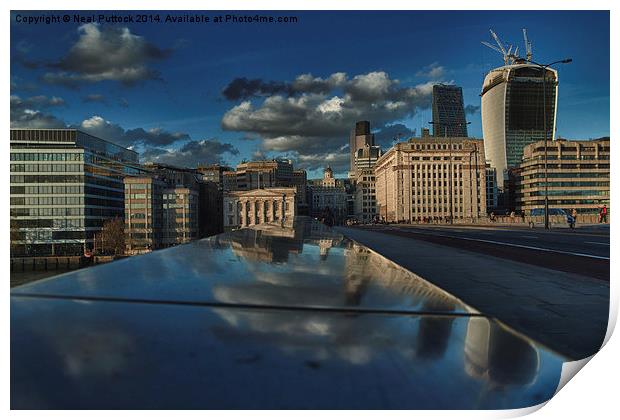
196	355
261	268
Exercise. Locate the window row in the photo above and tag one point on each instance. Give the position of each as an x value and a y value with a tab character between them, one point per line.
46	157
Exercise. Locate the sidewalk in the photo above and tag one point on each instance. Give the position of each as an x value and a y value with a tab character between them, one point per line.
599	229
566	312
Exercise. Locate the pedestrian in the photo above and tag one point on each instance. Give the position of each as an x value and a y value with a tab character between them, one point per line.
574	214
492	216
602	218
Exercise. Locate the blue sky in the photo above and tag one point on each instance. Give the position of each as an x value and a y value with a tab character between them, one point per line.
189	93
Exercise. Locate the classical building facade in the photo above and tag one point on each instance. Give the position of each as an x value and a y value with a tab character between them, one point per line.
259	206
578	176
328	194
434	178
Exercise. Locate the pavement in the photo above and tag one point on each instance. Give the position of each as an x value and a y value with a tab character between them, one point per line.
550	286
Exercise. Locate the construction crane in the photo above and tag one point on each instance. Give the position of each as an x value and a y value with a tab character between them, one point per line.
508	55
528	46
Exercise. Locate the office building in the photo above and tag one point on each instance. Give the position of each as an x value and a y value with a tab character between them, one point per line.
180	215
259	206
170	206
578	176
360	136
213	173
448	111
365	158
365	198
512	113
264	174
229	181
211	209
64	185
491	188
143	213
431	178
300	182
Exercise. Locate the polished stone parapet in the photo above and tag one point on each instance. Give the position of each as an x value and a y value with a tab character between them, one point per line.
268	317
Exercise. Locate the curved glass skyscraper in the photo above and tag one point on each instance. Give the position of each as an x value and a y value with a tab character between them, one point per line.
512	112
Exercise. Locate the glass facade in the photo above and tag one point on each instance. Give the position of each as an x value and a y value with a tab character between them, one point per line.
64	185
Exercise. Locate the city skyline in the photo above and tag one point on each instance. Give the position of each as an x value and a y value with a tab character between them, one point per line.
177	99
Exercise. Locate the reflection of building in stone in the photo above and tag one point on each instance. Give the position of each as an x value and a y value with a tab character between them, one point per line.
495	354
363	266
413	179
269	243
255	207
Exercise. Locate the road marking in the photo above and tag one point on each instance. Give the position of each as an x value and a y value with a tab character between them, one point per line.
598	243
578	254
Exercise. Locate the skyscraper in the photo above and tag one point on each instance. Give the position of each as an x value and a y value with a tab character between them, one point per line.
448	111
360	137
512	113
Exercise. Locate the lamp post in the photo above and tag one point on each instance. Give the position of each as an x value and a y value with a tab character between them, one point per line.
543	68
445	131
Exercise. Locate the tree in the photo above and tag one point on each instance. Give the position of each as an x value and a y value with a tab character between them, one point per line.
111	239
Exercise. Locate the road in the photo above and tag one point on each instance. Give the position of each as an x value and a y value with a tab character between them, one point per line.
564	250
531	280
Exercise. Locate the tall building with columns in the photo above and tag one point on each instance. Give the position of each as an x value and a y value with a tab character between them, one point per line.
259	206
412	180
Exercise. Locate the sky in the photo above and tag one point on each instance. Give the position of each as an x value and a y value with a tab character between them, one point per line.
199	93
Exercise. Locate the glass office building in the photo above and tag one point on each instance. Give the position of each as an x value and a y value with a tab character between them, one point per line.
512	113
64	185
448	111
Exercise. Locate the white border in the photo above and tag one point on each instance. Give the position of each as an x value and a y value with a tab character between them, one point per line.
592	394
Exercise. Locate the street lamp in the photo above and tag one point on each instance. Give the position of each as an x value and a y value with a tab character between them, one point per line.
445	131
543	68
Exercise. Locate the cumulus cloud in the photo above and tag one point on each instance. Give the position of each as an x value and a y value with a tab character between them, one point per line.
243	88
154	137
27	112
109	53
192	153
433	71
471	109
311	117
